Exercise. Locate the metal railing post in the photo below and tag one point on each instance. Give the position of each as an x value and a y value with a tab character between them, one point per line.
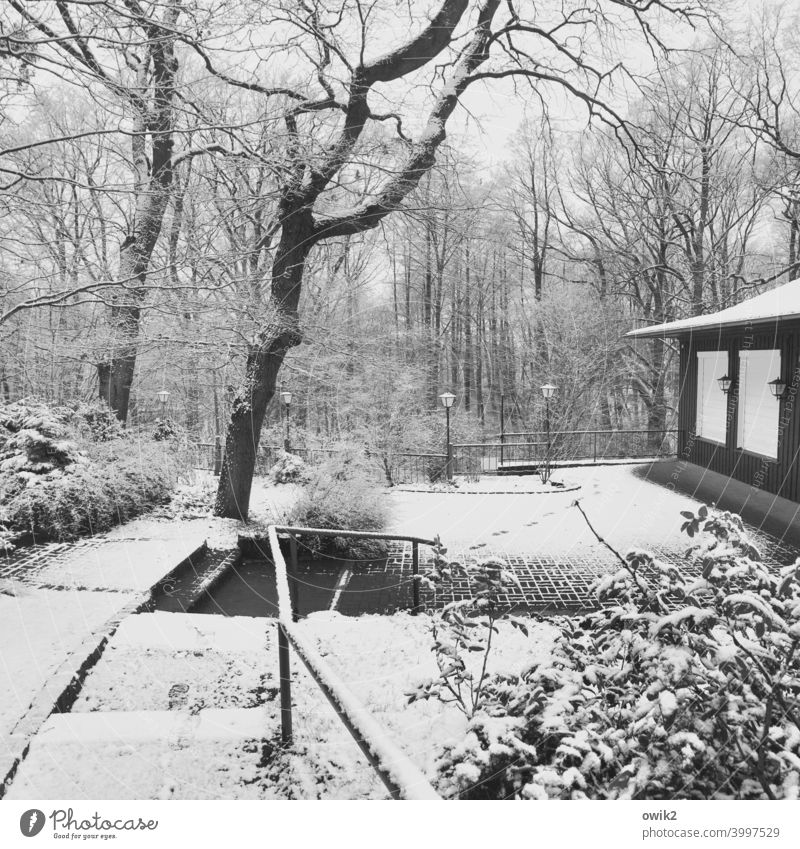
295	584
285	673
594	460
502	426
217	456
415	578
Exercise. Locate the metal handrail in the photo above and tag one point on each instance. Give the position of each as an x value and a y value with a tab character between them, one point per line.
579	432
496	444
403	779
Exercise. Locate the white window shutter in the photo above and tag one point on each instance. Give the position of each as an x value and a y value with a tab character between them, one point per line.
759	410
712	402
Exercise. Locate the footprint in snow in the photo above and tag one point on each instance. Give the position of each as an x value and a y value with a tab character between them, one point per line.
479	545
497	533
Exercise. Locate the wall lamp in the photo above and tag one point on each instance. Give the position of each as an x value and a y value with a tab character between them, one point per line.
777	387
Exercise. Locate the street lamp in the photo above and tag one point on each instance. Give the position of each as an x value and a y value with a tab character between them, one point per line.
725	383
163	400
502	426
447	399
286	400
548	391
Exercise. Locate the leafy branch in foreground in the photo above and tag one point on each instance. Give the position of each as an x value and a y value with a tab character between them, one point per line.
463	628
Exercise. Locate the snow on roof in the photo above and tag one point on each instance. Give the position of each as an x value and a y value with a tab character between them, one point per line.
778	304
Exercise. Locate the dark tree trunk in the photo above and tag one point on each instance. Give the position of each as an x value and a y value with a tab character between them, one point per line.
115	380
479	360
468	370
263	364
657	409
153	186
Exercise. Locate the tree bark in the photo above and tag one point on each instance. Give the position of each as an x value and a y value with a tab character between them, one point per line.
263	364
468	363
153	183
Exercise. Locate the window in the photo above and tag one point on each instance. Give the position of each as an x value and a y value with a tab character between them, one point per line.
759	411
711	400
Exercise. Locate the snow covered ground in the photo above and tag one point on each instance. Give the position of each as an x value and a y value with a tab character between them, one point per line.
40	626
51	619
382	658
186	706
625	509
38	629
194	697
496	484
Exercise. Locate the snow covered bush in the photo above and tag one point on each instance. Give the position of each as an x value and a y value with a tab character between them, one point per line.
115	485
340	494
192	501
35	441
289	468
685	685
97	420
63	473
166	428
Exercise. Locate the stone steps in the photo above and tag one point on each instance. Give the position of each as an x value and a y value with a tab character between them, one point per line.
178	706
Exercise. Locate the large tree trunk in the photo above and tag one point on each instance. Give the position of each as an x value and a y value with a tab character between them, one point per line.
263	364
468	352
153	185
115	378
115	371
657	410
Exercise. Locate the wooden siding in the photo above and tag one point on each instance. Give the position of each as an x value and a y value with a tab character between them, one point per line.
781	476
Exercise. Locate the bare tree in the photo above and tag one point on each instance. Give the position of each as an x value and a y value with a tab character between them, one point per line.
128	50
315	184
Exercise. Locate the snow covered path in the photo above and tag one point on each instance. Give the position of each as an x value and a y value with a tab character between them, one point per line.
627	510
58	603
186	706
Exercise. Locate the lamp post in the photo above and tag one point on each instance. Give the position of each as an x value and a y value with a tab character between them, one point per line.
286	400
447	399
163	400
548	391
502	426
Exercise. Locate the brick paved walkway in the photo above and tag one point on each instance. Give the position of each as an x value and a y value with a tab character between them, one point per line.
32	566
548	584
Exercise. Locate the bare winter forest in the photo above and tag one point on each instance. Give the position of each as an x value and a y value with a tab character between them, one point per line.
369	203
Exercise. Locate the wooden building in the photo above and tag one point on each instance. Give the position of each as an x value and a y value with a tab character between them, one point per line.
739	380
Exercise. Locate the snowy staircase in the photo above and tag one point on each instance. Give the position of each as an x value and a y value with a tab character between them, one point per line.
179	706
186	706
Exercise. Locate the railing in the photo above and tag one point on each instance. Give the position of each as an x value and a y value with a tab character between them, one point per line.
474	459
417	468
531	448
401	467
403	779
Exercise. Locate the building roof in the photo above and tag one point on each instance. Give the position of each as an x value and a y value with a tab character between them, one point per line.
778	304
